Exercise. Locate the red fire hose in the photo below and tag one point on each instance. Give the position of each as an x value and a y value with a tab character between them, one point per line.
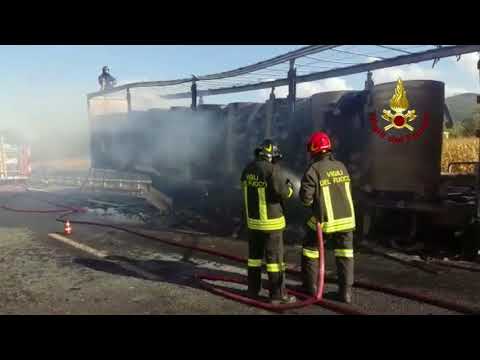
32	211
261	304
317	300
43	211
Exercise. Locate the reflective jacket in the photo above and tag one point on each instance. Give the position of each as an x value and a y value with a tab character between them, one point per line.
326	189
264	188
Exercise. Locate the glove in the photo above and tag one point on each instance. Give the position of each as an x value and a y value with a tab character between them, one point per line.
290	185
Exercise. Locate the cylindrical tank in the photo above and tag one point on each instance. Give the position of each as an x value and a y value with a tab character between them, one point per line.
403	154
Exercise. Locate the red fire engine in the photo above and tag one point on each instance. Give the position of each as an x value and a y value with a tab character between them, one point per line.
14	161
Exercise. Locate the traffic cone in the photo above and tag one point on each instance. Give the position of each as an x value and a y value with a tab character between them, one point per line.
67	229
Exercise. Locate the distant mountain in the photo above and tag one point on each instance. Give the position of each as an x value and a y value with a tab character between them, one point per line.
462	106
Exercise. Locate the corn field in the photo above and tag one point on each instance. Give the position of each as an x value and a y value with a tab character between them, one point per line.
459	149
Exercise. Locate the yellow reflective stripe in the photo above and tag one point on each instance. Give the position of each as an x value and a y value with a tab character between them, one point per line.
262	204
278	221
328	202
290	192
270	224
339	222
329	229
333	226
337	229
284	265
348	253
263	223
339	225
254	262
245	197
312	254
274	267
349	197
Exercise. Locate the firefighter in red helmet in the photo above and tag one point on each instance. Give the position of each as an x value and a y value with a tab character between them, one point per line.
325	188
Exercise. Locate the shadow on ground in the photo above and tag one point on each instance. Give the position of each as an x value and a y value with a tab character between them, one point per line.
172	272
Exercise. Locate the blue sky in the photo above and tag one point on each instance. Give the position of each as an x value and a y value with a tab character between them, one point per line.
44	87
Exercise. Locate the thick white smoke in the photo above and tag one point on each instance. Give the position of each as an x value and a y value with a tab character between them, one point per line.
160	140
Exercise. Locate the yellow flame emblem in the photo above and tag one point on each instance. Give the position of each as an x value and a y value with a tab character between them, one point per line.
398	104
399	101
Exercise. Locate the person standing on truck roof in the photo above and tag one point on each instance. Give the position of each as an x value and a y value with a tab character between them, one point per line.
264	190
105	80
326	189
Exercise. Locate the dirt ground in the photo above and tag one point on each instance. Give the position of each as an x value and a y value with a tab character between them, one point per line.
41	275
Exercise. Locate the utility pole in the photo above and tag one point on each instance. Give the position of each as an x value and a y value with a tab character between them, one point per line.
129	101
194	93
477	217
366	214
292	90
229	140
270	113
3	161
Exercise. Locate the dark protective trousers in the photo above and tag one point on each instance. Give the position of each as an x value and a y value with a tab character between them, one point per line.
269	245
343	243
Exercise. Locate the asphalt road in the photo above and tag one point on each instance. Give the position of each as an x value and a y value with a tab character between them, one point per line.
41	275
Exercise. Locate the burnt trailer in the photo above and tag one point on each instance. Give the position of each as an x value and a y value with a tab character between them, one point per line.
389	137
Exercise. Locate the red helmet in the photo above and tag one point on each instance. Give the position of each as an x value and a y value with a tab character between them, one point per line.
319	142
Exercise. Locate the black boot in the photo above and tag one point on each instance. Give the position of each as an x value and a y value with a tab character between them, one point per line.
309	276
285	299
254	282
282	297
345	294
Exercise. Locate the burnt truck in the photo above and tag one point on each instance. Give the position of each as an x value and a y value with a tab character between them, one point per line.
15	164
389	137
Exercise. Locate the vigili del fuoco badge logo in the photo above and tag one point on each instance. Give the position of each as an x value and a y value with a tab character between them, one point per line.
399	117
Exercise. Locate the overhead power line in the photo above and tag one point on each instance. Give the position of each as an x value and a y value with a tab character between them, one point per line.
348	70
307	50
